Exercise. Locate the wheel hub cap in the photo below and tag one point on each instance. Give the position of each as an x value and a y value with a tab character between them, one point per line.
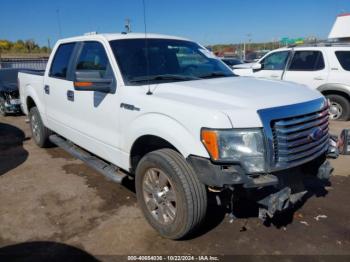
335	110
35	127
159	195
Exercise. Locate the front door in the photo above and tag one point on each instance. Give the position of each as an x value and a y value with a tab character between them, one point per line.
96	114
272	65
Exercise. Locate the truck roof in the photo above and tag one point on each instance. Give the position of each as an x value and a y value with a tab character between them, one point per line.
316	46
116	36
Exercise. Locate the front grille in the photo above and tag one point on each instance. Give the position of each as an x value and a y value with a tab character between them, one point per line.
300	139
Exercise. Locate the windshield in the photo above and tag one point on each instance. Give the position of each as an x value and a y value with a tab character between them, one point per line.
169	61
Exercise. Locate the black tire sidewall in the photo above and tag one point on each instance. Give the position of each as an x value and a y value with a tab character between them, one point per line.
41	141
345	104
174	229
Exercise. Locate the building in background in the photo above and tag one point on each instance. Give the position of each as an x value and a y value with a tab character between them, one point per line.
341	28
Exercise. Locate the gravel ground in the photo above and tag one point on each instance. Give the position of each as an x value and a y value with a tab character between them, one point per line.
50	201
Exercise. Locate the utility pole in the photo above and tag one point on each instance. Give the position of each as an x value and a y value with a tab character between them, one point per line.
244	45
243	51
127	25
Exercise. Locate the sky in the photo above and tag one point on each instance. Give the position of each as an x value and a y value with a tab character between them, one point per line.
205	21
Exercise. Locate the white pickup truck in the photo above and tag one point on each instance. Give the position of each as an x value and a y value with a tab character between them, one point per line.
165	111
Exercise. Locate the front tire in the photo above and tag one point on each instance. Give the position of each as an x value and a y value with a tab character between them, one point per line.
40	133
169	193
339	107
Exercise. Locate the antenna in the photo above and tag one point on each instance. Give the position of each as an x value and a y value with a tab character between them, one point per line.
149	92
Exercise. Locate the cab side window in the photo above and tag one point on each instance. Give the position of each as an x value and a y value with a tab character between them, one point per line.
275	61
93	59
344	59
60	63
307	61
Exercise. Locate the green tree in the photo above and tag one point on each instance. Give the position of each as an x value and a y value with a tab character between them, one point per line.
5	45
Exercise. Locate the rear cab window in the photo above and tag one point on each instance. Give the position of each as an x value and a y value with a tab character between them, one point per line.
307	61
344	59
61	60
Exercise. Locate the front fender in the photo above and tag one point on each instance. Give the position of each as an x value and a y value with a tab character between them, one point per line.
167	128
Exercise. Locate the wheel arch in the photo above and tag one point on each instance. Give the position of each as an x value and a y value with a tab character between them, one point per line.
146	144
335	89
145	137
30	103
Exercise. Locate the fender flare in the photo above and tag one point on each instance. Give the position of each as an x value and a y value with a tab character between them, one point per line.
167	128
33	95
342	88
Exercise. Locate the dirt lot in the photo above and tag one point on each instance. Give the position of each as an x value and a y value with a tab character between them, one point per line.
48	196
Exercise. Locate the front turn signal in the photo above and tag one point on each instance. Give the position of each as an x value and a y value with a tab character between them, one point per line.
209	139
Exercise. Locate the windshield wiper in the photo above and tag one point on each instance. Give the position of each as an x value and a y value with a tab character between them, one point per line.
163	77
215	74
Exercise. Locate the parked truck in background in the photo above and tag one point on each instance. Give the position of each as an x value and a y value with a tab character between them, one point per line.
323	67
165	111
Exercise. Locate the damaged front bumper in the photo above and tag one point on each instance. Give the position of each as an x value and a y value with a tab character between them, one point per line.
273	192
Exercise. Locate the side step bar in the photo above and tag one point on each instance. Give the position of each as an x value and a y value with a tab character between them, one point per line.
111	172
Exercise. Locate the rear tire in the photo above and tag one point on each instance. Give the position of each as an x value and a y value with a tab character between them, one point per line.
2	107
339	108
40	133
169	193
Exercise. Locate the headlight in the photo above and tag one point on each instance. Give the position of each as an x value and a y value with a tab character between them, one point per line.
245	146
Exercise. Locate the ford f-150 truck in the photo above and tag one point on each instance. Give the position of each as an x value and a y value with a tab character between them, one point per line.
165	111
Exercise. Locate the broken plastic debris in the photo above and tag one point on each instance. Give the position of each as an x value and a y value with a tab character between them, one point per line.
298	215
320	216
304	223
232	217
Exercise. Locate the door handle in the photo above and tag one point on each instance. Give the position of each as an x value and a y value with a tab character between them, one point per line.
70	95
318	78
274	76
47	89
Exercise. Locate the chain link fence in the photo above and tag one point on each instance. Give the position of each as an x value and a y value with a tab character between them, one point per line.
24	63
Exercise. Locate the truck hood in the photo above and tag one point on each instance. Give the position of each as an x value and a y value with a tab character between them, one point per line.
238	97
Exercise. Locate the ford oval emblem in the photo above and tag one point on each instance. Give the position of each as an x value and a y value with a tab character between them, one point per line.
316	134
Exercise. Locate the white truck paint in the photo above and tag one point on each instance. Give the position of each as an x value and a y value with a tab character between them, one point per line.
317	67
131	122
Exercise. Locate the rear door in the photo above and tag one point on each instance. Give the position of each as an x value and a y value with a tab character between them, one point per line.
57	84
307	67
273	65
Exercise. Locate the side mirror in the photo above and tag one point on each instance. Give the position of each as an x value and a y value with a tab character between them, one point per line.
256	66
92	81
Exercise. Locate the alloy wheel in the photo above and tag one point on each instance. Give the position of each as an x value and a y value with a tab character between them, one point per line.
160	196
